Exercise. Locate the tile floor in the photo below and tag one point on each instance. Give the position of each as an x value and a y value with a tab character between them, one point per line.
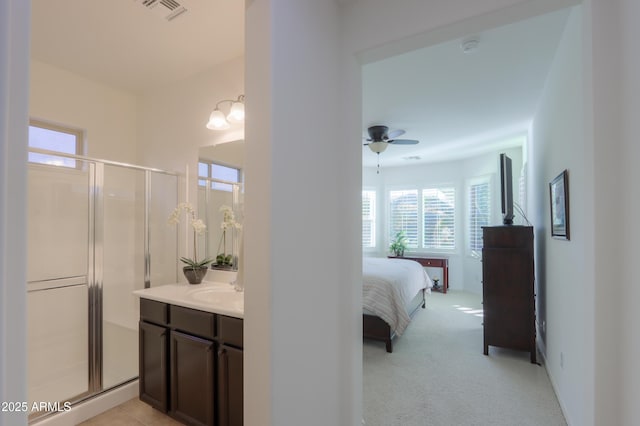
131	413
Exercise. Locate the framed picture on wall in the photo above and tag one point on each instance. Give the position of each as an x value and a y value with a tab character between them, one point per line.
559	200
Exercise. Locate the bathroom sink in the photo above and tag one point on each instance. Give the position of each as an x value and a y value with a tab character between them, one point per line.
219	295
226	288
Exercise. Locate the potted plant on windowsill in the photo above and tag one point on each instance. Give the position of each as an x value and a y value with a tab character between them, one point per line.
195	270
399	244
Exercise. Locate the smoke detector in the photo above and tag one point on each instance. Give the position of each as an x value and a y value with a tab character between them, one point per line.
166	9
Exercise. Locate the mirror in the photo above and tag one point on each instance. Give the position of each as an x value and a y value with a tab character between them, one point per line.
220	202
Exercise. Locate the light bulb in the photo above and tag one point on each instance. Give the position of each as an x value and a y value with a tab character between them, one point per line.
378	147
217	121
236	114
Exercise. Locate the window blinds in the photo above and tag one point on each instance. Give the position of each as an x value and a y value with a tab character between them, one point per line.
403	215
368	219
438	215
479	212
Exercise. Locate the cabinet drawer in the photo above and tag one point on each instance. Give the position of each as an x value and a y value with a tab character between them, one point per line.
192	321
230	331
507	236
154	312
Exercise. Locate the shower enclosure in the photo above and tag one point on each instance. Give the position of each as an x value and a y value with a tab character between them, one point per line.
97	231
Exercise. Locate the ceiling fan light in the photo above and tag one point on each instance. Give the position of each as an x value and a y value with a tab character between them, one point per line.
236	113
217	121
378	147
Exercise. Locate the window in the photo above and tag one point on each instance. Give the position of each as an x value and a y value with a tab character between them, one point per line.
208	169
426	216
368	219
479	211
54	138
438	216
403	215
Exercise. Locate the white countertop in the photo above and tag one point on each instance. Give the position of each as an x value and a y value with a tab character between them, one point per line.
218	298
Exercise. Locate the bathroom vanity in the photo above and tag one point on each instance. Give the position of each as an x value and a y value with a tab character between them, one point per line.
191	343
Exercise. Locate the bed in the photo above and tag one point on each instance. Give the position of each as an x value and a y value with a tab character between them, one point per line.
393	290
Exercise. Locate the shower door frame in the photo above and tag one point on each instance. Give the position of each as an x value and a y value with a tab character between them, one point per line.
95	268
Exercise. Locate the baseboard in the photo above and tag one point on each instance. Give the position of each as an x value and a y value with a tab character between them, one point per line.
91	407
553	382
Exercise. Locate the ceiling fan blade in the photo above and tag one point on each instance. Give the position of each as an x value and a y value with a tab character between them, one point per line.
395	133
404	141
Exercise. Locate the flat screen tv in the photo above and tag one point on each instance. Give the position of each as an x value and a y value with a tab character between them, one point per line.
506	189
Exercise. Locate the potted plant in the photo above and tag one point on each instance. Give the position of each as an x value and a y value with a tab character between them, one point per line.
195	269
399	244
227	259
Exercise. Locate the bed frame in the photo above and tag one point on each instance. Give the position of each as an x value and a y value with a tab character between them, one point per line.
376	328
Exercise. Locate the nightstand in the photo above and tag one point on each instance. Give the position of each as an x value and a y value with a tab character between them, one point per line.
433	262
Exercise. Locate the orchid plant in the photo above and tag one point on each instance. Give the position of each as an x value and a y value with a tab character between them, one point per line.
228	222
198	229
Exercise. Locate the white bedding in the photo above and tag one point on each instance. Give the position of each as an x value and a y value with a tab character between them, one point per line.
389	285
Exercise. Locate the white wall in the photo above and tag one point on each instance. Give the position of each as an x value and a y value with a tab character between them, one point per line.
107	115
563	270
465	271
297	300
14	89
629	342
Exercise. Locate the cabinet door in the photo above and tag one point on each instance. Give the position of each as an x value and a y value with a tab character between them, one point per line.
192	379
153	365
230	382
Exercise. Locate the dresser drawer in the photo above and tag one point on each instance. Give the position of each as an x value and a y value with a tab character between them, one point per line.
192	321
230	331
154	312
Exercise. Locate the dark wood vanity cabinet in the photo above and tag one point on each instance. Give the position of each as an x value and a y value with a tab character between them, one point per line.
154	353
192	379
153	365
508	288
230	379
230	371
196	375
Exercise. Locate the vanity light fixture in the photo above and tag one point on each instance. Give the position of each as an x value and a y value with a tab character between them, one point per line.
217	119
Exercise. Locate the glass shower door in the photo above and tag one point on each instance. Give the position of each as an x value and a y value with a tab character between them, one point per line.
122	252
138	248
59	274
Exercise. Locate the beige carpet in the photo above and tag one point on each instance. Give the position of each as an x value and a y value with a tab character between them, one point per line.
438	375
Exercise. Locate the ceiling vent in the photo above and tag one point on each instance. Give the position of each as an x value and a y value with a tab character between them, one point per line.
167	9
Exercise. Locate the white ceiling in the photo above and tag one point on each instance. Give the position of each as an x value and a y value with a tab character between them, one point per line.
461	104
126	45
456	104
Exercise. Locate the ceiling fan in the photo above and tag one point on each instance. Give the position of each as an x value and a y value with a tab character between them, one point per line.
380	137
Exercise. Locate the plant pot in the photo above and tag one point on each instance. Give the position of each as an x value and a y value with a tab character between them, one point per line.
195	276
222	274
